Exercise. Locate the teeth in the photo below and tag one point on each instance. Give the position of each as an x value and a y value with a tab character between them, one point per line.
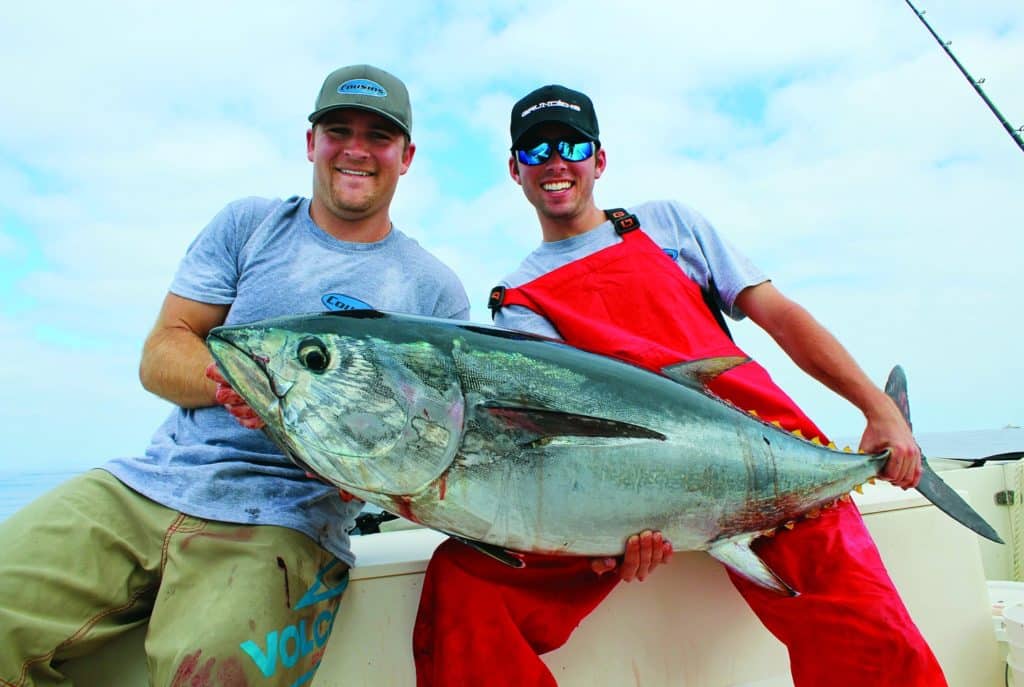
356	172
556	186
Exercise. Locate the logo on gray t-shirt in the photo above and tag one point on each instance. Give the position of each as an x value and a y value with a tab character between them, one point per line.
340	302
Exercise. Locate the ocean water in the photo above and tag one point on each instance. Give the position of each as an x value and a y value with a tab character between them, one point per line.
17	489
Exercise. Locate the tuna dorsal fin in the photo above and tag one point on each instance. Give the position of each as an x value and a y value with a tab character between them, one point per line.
736	554
535	424
496	552
697	374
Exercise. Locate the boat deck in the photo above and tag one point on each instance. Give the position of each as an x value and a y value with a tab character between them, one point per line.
686	625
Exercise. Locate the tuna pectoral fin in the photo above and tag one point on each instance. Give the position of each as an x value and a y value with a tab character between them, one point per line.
496	552
534	424
697	374
950	503
736	554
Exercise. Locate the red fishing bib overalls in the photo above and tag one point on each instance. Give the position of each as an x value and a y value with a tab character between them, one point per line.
482	623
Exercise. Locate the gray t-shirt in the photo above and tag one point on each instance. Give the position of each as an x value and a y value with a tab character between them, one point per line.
266	258
681	232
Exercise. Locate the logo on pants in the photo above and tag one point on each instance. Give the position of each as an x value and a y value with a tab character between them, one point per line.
284	647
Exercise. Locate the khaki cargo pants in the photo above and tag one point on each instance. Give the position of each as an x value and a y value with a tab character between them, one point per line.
226	604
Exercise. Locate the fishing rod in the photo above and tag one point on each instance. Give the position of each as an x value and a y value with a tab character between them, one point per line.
1014	133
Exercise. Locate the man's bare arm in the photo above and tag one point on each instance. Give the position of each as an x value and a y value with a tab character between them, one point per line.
175	356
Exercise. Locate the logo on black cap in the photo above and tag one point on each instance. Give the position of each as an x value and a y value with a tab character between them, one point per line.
550	103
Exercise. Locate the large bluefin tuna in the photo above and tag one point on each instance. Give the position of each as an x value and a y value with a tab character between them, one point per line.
515	442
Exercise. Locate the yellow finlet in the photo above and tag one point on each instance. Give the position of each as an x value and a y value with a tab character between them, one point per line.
789	525
816	441
859	489
798	433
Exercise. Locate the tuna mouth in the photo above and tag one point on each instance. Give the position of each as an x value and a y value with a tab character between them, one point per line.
247	373
262	363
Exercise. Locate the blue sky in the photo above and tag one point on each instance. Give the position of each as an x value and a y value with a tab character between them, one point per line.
833	141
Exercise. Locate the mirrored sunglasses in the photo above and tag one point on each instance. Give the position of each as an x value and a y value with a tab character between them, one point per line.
570	151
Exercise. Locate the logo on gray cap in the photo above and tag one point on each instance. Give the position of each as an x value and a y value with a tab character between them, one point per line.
363	87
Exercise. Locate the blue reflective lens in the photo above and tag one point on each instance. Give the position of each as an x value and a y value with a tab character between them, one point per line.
570	151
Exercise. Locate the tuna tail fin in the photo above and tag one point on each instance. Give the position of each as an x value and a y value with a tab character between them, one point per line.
931	485
896	389
737	555
950	503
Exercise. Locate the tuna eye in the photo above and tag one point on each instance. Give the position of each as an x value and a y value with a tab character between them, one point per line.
313	355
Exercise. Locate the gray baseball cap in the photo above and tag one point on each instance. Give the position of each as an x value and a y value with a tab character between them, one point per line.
365	87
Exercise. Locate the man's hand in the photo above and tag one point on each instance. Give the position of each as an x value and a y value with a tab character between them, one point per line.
230	399
904	465
644	552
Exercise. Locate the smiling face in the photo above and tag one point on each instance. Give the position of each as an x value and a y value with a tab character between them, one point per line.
562	192
357	158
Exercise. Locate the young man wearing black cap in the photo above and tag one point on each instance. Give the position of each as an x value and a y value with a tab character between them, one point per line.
649	285
232	554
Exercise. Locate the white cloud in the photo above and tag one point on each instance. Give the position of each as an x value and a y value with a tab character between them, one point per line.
869	179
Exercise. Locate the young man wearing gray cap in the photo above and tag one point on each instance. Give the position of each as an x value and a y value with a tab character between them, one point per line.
649	285
232	554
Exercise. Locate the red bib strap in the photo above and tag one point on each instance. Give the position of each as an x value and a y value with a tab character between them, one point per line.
632	302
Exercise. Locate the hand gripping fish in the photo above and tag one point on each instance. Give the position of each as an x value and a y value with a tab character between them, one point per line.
514	442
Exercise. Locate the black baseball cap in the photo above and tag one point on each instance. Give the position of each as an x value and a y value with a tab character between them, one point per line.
365	87
554	103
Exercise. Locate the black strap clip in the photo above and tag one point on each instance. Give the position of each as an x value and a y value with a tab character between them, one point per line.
623	221
496	299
